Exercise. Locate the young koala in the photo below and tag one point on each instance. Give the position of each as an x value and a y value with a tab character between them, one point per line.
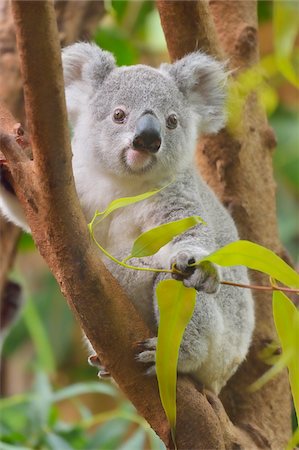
135	129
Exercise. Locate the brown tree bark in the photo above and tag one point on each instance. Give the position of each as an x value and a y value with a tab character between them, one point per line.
76	20
239	169
46	190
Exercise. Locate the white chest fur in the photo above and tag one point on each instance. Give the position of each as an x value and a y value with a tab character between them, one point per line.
117	232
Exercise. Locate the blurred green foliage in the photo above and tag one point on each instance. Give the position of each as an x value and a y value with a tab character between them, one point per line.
32	421
132	31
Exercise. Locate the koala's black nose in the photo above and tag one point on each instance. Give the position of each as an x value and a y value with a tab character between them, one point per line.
148	133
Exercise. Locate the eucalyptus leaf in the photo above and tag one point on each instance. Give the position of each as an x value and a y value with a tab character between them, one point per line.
39	409
109	435
56	442
286	318
271	373
83	388
135	442
255	257
285	24
155	442
149	242
122	202
5	446
176	305
293	443
39	337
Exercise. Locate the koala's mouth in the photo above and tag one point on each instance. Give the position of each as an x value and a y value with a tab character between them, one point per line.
137	161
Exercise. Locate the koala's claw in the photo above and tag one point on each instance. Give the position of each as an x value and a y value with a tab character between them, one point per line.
147	354
104	373
204	277
181	262
94	361
148	344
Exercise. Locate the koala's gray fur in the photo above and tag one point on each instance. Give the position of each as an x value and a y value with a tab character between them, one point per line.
107	167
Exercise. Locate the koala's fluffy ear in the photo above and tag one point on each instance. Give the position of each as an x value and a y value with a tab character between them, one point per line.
85	66
202	80
82	61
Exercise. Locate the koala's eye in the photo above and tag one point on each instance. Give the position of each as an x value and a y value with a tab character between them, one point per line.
172	121
119	115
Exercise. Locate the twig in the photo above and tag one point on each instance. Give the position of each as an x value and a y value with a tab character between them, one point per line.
11	149
261	288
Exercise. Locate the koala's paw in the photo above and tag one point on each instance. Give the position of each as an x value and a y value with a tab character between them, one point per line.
147	354
94	361
204	277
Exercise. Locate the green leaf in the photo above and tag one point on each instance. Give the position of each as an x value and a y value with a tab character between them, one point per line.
135	442
122	202
176	305
119	8
39	337
109	435
285	24
4	446
83	388
26	243
57	442
293	443
116	41
271	373
286	318
151	241
255	257
8	402
155	441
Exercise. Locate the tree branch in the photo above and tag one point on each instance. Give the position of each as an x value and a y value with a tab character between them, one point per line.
48	196
223	160
76	20
9	235
193	31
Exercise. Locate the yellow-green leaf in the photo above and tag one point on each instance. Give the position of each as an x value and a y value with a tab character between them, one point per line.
271	373
122	202
286	318
176	305
294	441
270	354
285	24
255	257
151	241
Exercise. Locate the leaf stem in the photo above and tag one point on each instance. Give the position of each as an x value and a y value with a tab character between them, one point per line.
121	263
261	288
271	288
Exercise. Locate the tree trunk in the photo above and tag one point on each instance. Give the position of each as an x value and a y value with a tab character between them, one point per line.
76	21
239	169
46	190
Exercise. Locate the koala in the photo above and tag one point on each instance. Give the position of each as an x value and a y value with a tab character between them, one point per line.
135	129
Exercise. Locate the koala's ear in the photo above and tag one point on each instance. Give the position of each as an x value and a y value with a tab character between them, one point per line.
86	62
85	67
202	80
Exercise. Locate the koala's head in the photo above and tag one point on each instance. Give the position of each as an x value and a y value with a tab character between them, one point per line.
139	120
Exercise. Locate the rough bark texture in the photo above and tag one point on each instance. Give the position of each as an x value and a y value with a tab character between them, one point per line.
8	232
10	293
46	190
11	95
239	169
193	31
76	21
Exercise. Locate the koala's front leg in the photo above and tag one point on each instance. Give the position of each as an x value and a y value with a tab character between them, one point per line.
205	320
